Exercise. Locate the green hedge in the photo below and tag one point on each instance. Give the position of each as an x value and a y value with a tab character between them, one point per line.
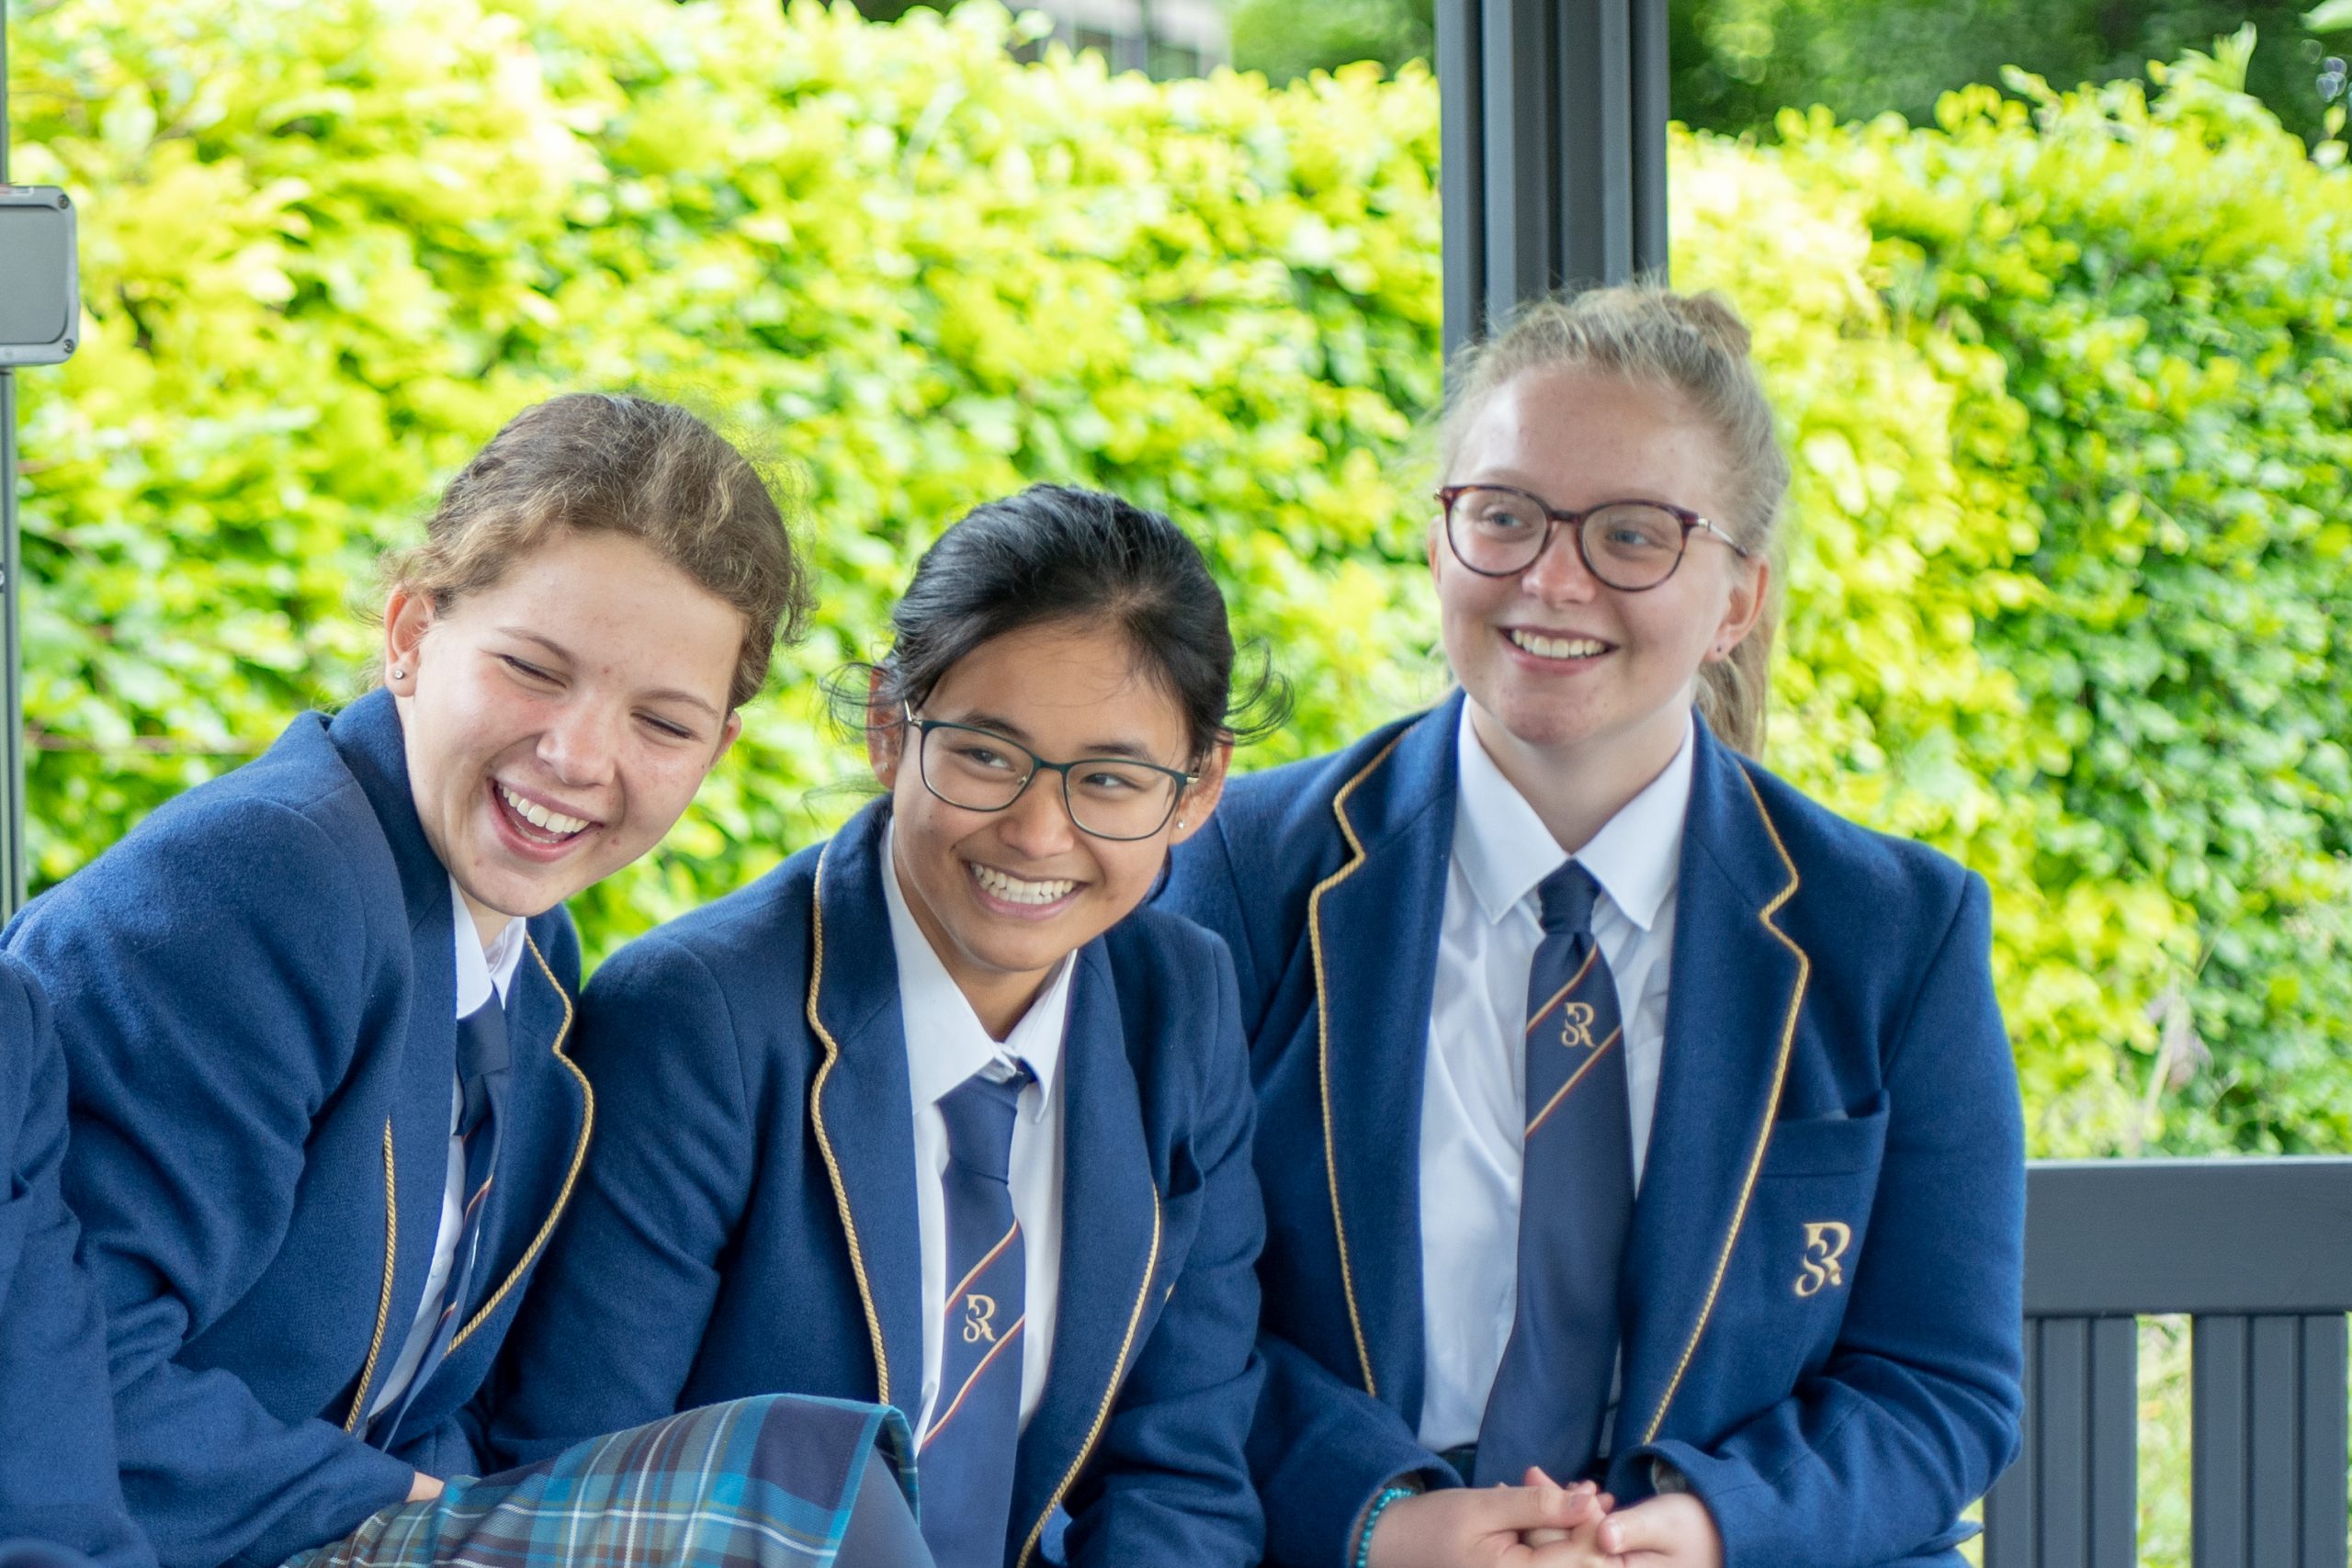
320	268
2168	288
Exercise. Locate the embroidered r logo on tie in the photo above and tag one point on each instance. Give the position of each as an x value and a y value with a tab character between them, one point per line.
1549	1405
973	1427
1825	1241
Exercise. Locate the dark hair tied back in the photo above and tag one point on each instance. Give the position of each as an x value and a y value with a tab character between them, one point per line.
1056	553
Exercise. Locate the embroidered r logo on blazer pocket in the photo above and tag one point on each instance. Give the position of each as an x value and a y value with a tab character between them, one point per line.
1821	1269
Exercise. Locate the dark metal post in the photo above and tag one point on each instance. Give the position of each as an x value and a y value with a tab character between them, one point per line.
12	684
1554	152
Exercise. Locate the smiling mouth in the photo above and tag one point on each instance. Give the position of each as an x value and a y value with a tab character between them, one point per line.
1015	889
537	823
1562	648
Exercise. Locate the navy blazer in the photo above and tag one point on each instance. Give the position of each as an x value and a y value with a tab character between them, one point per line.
1822	1294
747	1224
57	1462
256	995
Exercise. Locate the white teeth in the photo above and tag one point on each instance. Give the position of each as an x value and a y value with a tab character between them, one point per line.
1019	890
1558	647
539	816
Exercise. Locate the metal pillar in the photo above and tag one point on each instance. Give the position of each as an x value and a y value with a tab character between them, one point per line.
12	684
1553	151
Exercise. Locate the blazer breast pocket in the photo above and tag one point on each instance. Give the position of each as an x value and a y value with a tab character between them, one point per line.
1179	1224
1829	1146
1804	1236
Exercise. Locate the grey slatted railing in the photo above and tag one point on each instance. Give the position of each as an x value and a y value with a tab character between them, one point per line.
2258	1253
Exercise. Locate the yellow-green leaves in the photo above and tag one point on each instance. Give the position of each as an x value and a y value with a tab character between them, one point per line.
2066	379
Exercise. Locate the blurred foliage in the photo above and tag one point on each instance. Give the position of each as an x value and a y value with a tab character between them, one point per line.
2065	380
1737	63
1289	39
331	244
2168	286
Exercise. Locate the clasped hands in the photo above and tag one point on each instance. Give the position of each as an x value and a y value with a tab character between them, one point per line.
1540	1524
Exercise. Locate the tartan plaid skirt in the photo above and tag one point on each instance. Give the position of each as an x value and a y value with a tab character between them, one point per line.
763	1482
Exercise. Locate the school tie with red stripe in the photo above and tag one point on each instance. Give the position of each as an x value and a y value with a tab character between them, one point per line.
484	1056
1551	1394
965	1465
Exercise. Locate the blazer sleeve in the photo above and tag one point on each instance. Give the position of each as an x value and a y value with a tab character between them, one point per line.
1170	1484
617	1310
1918	1409
208	993
57	1481
1321	1451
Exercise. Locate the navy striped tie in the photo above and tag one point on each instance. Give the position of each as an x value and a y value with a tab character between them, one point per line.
1551	1394
967	1452
483	1059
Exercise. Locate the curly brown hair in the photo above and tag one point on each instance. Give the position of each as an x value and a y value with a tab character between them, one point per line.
618	463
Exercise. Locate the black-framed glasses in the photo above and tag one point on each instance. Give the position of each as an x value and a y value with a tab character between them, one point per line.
1110	797
1499	531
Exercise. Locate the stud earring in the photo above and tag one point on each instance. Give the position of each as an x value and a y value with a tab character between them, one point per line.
399	673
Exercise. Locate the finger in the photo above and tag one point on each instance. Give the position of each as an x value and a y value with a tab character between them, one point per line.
1640	1527
1545	1537
1569	1551
1518	1509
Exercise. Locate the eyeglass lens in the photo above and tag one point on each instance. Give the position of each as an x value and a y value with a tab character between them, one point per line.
1628	545
1109	797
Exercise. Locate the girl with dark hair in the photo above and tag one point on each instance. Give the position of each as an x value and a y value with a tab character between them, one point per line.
933	1114
317	1017
1634	1122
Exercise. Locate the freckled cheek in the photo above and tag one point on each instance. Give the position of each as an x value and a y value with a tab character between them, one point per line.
647	795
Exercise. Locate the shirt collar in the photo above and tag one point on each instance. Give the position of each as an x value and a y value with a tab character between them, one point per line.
945	1041
1504	849
481	969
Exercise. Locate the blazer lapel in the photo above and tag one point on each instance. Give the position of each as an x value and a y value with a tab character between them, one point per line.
1737	987
367	737
860	1106
1373	928
1111	1252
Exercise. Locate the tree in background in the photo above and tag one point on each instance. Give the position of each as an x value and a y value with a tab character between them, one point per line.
1287	38
1737	63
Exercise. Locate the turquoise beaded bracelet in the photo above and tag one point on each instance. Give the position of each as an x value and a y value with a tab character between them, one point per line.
1372	1518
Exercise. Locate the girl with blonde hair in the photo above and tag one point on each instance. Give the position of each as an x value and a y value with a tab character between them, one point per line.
1629	1124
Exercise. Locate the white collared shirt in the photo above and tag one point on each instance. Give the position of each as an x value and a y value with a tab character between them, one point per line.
1473	1111
946	1044
479	972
